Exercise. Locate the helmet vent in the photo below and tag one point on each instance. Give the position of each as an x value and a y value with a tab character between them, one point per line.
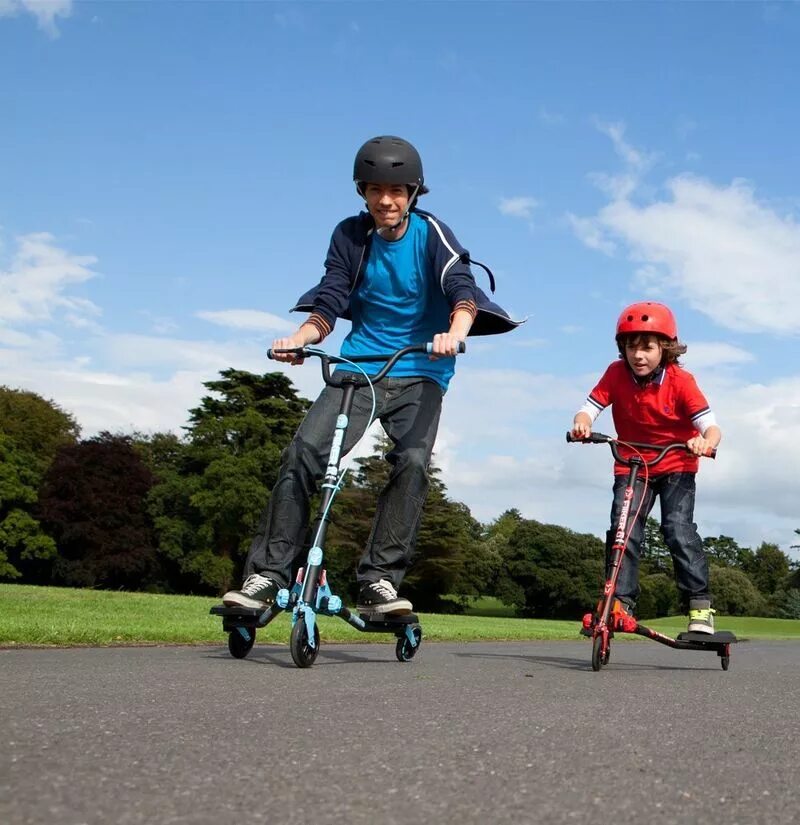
645	317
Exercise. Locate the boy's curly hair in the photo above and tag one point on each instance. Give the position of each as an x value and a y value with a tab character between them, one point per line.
671	349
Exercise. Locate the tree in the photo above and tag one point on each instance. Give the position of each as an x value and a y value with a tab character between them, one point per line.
446	539
25	549
787	603
770	568
658	597
549	571
723	551
36	426
734	594
213	488
93	502
31	431
655	556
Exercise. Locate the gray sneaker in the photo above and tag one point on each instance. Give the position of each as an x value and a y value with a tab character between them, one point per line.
701	616
380	598
257	591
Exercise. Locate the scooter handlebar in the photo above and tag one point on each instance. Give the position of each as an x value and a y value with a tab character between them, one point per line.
661	449
305	352
326	360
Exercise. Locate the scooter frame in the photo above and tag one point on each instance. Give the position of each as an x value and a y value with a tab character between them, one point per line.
602	625
310	595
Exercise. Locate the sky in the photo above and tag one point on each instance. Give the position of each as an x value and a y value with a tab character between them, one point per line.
171	172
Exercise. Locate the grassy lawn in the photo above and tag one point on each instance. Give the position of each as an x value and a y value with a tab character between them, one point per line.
62	616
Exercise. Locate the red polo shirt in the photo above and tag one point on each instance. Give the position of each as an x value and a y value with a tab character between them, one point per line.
663	411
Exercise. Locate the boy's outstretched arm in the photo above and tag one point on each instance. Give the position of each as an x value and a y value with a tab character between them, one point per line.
709	440
581	425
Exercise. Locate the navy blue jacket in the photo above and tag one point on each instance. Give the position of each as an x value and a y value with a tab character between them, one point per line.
449	263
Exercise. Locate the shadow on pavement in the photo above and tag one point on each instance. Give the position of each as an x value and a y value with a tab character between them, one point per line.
280	656
580	664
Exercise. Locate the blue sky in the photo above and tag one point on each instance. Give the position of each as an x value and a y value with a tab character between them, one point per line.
170	174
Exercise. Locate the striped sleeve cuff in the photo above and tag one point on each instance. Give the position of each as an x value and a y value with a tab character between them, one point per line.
591	408
465	306
703	420
320	324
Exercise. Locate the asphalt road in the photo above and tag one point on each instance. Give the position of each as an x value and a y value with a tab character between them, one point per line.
466	733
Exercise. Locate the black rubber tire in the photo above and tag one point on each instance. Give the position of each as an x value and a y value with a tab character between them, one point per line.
597	657
238	646
404	650
302	652
725	661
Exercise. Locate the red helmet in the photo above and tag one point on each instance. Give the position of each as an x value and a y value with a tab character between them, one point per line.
648	317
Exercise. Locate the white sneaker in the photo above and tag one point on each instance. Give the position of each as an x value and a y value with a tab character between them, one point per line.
257	591
380	598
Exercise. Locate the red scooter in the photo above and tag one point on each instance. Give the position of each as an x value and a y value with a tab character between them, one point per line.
602	625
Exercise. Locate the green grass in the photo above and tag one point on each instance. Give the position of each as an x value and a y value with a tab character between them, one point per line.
64	617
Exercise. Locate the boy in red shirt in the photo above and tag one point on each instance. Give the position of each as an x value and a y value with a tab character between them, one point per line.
655	401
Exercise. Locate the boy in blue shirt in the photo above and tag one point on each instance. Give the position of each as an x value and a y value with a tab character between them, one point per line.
402	278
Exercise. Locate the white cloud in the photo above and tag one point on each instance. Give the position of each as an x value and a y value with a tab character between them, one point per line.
634	158
45	12
591	233
35	285
519	207
730	255
715	354
250	319
108	380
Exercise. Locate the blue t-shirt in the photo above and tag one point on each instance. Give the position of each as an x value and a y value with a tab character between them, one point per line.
398	303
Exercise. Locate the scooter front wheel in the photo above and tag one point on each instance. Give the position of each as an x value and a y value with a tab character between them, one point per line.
302	652
600	656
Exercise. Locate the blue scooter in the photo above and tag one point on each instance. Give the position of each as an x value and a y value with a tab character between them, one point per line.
310	595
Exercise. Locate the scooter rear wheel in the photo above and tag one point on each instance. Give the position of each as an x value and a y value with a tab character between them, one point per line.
238	646
404	650
302	652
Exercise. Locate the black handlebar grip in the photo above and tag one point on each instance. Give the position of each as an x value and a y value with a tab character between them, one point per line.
592	438
296	350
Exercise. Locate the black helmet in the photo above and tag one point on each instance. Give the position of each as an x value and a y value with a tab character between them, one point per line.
388	159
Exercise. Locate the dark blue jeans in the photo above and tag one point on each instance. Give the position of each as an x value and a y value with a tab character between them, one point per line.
676	492
409	409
